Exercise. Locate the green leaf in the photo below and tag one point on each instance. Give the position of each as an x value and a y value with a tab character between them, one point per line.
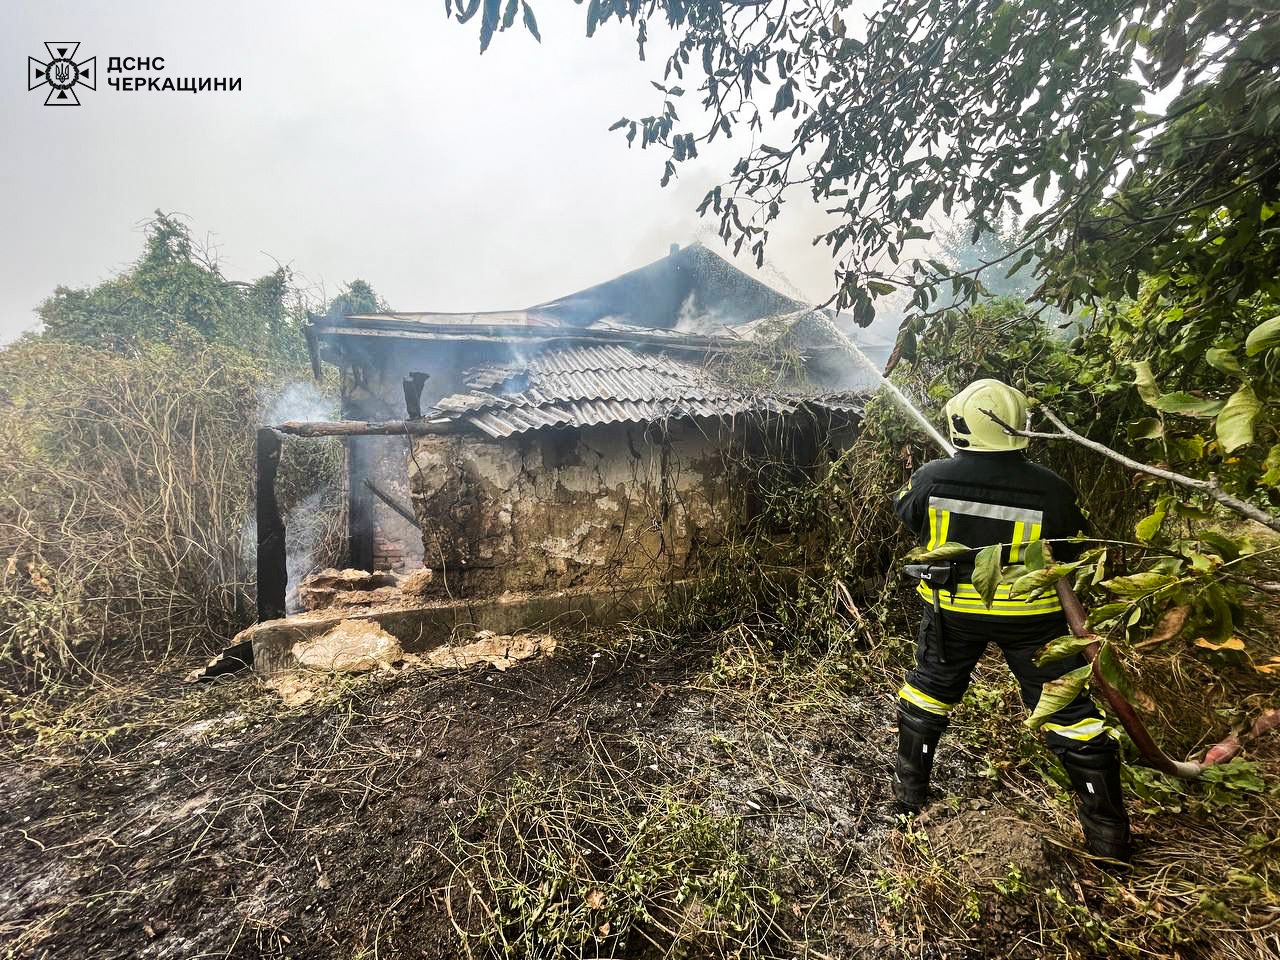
1100	569
1237	774
1186	448
1272	477
785	98
1056	694
1225	361
986	572
1187	404
1011	573
1190	511
1149	526
1033	556
1061	648
1109	669
530	23
1202	563
1263	337
489	22
1147	428
1040	581
1145	381
1106	611
1222	621
1235	423
1139	584
1225	546
945	551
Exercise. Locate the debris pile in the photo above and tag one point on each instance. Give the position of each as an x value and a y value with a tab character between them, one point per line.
354	622
336	589
362	646
353	646
498	650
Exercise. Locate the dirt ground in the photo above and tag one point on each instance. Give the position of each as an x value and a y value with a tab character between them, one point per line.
167	821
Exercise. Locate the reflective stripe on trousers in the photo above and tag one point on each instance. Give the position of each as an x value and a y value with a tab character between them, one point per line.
934	687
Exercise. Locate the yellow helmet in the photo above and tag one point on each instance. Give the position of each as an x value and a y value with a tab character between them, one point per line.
972	429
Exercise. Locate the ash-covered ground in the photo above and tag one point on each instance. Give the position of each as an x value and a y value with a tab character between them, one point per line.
148	819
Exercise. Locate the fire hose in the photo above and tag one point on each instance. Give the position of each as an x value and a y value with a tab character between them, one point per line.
1151	751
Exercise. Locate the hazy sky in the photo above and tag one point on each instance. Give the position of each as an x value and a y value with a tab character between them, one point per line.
370	139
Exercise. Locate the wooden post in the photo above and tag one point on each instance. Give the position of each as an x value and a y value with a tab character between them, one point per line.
359	504
273	568
413	385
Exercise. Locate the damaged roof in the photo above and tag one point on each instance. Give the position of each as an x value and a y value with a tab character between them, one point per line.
692	290
588	385
691	301
633	349
690	293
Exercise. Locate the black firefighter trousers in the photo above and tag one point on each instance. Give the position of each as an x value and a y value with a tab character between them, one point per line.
944	666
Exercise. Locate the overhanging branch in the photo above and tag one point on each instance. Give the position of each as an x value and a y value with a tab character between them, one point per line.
1208	487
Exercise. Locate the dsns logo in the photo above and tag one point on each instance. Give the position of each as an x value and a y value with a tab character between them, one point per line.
62	74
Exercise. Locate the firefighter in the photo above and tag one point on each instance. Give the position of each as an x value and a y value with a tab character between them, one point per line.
989	492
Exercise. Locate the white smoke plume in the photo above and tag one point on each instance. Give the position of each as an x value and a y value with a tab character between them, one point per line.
297	400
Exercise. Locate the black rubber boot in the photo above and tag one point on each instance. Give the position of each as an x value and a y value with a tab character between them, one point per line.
1095	776
918	735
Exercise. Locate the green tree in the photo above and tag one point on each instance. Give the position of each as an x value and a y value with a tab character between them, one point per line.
174	290
126	452
1128	122
355	298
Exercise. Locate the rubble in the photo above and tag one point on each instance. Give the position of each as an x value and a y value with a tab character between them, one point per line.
348	588
353	646
362	646
499	650
354	623
418	583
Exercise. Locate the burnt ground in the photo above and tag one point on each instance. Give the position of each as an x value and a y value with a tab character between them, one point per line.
147	819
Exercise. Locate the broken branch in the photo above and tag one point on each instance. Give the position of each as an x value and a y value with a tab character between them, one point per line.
1243	507
1151	751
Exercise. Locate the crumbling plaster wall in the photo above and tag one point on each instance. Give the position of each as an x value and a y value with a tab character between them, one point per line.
607	505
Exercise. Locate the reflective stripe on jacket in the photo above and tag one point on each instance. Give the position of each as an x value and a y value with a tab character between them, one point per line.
978	499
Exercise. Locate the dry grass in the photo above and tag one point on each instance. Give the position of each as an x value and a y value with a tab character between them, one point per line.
607	863
125	510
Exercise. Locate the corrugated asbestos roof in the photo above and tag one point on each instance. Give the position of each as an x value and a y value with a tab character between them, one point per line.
491	318
588	385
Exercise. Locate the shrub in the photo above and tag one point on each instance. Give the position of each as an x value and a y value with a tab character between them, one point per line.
125	498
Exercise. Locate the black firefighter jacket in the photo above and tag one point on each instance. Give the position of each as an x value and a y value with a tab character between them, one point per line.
978	499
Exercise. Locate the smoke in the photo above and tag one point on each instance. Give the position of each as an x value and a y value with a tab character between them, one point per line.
693	319
306	522
297	400
304	529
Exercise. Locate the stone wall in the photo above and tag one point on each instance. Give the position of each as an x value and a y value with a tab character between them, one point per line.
554	508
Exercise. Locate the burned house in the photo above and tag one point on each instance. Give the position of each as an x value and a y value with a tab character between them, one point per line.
613	436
